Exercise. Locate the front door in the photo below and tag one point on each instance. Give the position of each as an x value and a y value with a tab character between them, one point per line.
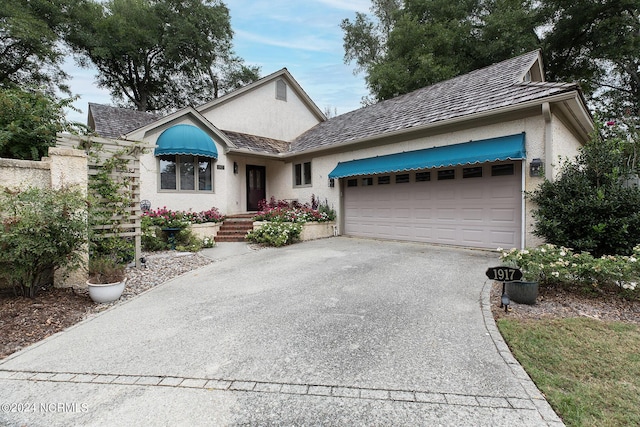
256	186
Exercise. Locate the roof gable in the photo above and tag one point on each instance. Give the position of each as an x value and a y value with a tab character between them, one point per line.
497	86
281	74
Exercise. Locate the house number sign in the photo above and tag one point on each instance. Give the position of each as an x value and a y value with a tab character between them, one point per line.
504	274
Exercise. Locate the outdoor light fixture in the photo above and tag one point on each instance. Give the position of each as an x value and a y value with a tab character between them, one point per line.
145	205
235	168
535	167
332	182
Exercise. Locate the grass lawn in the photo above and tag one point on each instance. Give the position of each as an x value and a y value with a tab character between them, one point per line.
589	370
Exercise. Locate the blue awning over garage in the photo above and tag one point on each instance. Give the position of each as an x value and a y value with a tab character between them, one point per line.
186	140
510	147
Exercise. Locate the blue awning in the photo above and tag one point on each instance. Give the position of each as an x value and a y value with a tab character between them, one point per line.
186	140
510	147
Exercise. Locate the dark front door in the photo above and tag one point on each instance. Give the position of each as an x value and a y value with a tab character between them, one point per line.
256	186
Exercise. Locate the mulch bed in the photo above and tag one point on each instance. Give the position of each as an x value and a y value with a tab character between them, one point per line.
24	321
555	302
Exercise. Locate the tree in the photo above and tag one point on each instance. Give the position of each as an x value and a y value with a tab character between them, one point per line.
30	121
416	43
590	206
159	54
30	53
597	43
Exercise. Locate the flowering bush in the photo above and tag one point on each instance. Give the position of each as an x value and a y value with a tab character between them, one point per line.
275	233
154	239
165	218
283	211
550	264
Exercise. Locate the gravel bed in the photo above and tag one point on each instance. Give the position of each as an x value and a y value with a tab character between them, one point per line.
160	267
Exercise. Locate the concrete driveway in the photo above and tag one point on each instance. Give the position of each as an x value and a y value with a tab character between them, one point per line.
331	332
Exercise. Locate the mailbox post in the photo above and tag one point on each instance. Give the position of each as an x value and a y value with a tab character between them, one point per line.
504	275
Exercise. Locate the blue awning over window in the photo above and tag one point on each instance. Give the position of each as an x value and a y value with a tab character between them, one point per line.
510	147
186	140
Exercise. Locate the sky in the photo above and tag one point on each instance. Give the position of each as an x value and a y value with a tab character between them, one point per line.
302	36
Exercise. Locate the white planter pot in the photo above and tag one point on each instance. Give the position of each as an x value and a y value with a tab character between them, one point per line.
106	292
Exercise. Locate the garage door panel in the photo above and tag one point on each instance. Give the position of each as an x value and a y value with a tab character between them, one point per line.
402	213
476	212
504	239
473	236
446	214
422	214
472	214
500	215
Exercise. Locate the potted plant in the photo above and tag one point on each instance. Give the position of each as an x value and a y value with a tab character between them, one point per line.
525	290
106	279
522	291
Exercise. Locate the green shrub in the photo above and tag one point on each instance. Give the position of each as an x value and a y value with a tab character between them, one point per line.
276	233
589	207
42	230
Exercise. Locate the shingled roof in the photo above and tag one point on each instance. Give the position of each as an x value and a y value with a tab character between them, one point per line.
112	122
491	88
257	143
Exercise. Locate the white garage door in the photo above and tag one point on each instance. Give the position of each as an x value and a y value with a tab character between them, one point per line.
476	206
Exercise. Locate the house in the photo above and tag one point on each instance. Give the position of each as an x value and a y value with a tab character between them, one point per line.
446	164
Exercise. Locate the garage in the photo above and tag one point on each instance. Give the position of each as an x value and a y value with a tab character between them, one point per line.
475	206
467	194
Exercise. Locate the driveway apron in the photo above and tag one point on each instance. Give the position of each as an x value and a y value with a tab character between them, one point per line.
337	331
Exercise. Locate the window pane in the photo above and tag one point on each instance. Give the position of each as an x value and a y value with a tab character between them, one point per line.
352	183
298	174
187	173
307	173
382	180
446	174
401	179
167	173
204	174
475	172
502	170
423	176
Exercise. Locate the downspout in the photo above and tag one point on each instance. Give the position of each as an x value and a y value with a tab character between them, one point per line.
548	142
523	211
341	218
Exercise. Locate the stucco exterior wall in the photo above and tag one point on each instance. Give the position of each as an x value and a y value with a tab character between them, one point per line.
21	174
565	144
258	112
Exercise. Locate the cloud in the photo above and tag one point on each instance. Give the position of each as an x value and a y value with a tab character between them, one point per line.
352	5
307	42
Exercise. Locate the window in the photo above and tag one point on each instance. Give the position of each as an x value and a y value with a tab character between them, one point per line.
502	170
475	172
281	90
423	176
446	174
186	173
384	180
367	181
401	179
352	183
302	174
